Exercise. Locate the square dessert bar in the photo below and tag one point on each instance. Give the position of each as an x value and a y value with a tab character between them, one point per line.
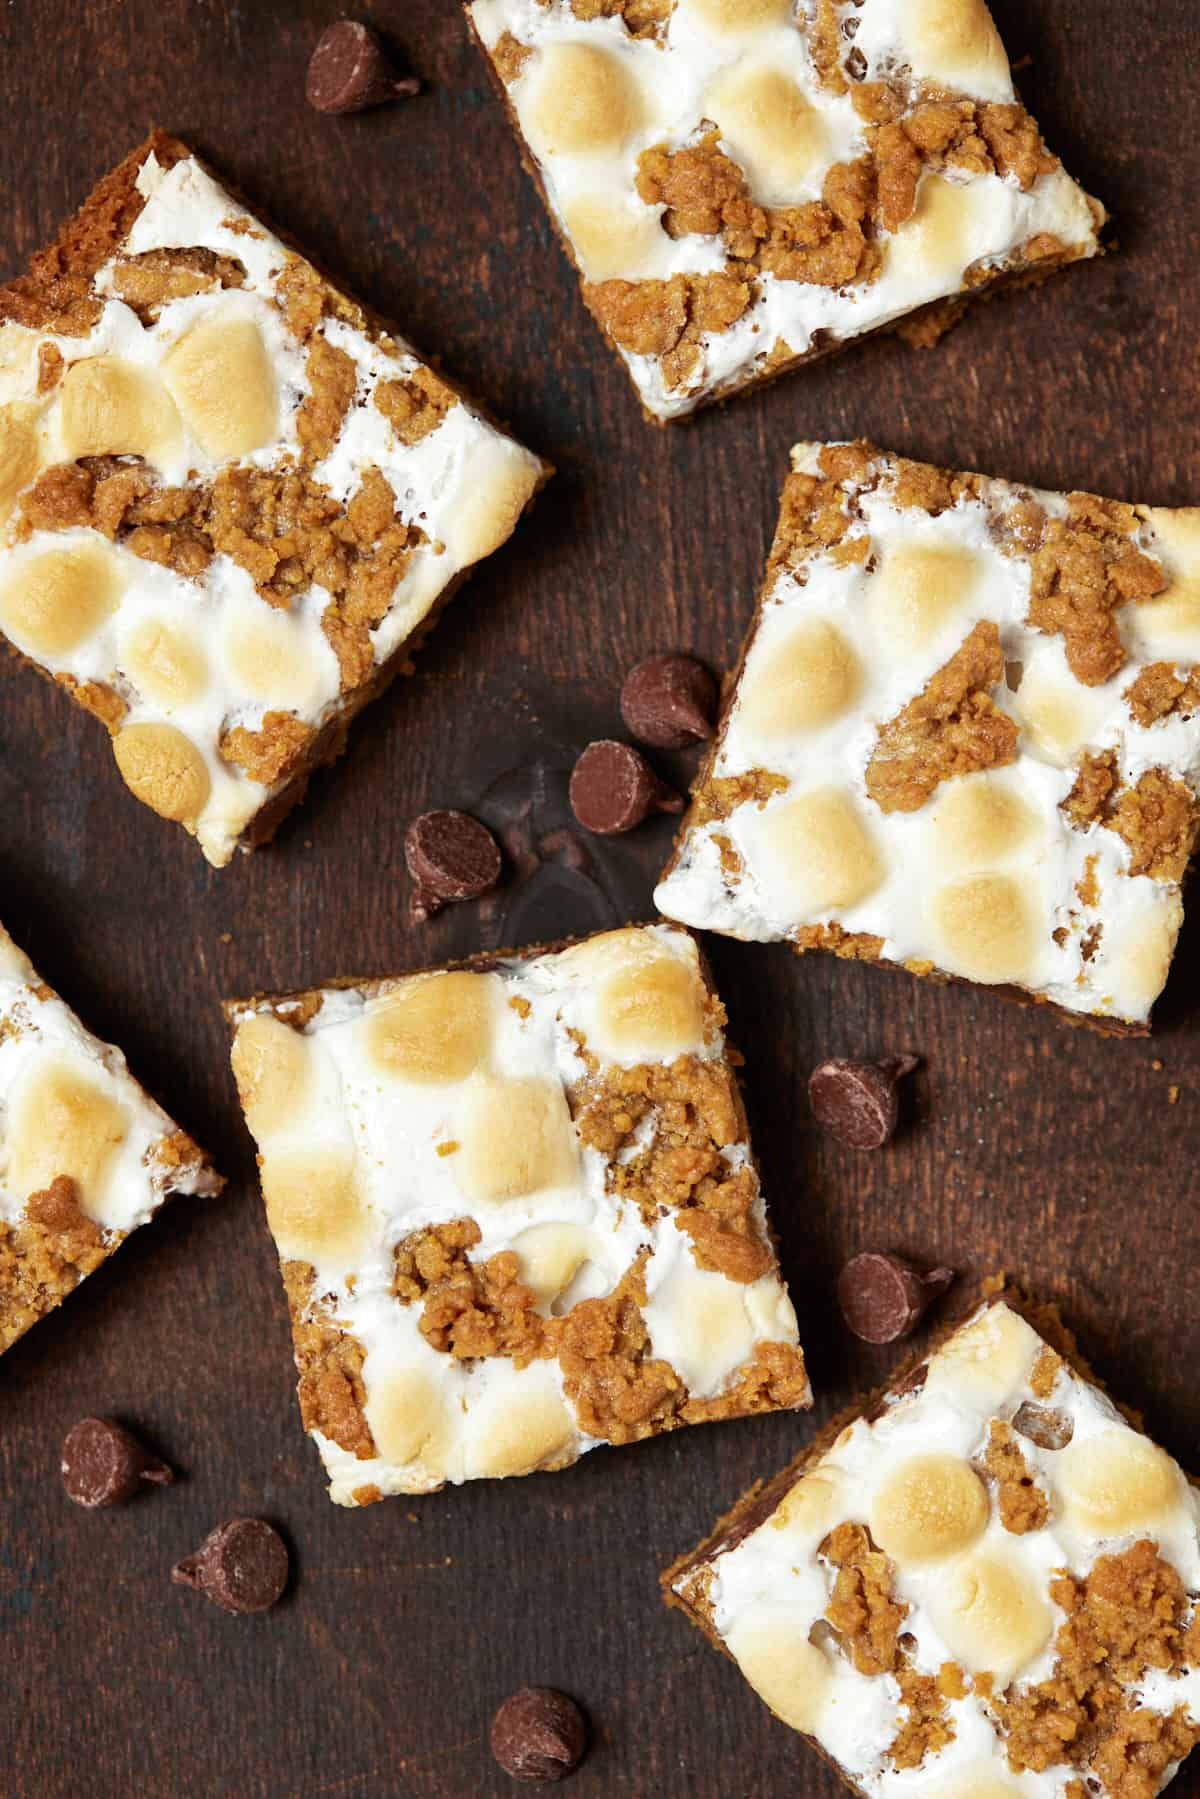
85	1154
516	1209
983	1586
964	736
231	505
745	185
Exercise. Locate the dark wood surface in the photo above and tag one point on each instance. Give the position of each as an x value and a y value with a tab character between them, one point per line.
1030	1146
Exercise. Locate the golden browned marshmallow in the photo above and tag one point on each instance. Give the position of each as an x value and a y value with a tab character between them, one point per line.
738	17
1170	622
1116	1483
1058	716
813	676
433	1030
110	407
936	237
518	1141
932	1507
655	1007
222	381
992	1614
955	41
52	602
1142	956
272	1064
270	659
165	770
166	661
986	928
772	128
782	1665
502	485
809	1508
315	1207
408	1420
815	851
19	454
523	1433
64	1123
610	236
580	98
987	1359
978	820
920	587
550	1256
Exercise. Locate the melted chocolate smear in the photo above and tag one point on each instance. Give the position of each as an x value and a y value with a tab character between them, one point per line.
562	883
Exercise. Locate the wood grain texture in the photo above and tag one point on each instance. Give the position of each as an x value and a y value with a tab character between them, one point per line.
1029	1145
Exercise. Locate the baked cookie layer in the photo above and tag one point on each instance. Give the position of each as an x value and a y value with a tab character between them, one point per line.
980	1586
517	1211
86	1156
231	503
964	736
744	185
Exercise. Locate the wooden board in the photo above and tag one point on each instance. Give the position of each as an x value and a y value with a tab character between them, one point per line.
1031	1146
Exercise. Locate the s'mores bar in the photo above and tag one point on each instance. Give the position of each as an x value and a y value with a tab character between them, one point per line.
517	1211
85	1154
231	504
964	736
983	1586
745	185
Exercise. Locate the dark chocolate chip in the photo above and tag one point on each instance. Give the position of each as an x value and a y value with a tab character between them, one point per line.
539	1734
450	857
613	788
857	1101
103	1465
884	1297
242	1566
1044	1425
669	701
350	70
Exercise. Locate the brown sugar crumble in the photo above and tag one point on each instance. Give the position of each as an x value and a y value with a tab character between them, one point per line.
207	444
1162	691
1022	1502
45	1256
330	1363
722	171
868	1621
1102	1719
467	1309
87	1154
864	1610
1125	1618
806	721
1083	571
953	728
1158	818
827	243
695	1111
633	1288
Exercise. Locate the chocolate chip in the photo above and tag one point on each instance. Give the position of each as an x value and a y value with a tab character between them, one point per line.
103	1465
613	788
669	701
539	1734
350	70
450	857
884	1297
857	1101
242	1566
1044	1425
